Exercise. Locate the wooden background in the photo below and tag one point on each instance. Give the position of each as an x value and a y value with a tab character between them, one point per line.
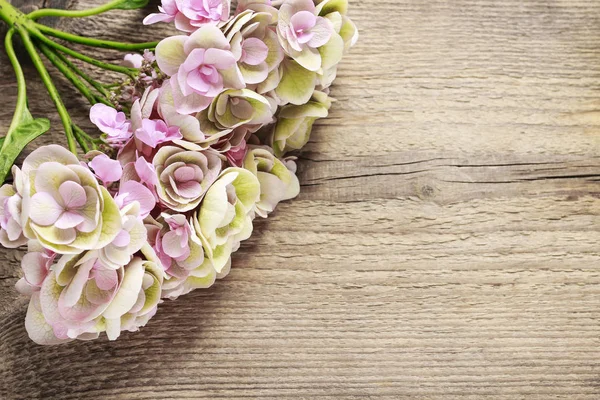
446	244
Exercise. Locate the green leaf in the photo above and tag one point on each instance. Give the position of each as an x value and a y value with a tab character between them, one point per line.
131	4
15	142
1	142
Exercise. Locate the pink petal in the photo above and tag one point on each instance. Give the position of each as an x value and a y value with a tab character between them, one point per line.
303	20
106	169
194	60
190	189
321	33
221	59
137	192
184	174
69	219
70	296
34	268
43	209
73	194
172	245
13	230
122	239
101	112
188	104
197	81
157	17
255	51
145	171
105	278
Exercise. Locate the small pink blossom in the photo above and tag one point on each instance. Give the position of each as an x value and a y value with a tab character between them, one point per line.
175	242
301	32
11	201
176	245
154	132
149	56
190	14
106	169
199	66
110	121
131	191
133	60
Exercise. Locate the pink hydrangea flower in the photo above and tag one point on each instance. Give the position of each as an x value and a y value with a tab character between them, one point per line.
190	14
174	243
155	131
11	229
110	121
301	32
81	297
177	246
200	67
35	265
106	169
184	176
65	209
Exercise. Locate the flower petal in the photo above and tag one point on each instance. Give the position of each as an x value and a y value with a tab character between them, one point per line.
73	194
44	210
68	219
170	54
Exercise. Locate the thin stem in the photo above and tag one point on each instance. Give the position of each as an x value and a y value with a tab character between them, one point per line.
60	107
131	72
107	44
52	12
99	87
21	106
73	78
80	132
80	139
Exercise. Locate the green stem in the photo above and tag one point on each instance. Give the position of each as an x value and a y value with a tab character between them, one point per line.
80	139
80	132
60	107
73	78
21	106
107	44
99	87
10	14
131	72
52	12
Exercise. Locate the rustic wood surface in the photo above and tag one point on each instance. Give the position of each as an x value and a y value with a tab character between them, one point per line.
446	244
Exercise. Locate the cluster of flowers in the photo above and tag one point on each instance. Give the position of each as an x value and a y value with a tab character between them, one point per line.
203	151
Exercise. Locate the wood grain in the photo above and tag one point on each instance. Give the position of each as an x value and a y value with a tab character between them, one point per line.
446	243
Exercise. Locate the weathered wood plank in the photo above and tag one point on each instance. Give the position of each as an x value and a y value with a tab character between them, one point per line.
445	244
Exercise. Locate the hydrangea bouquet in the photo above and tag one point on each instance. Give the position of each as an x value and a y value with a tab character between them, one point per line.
194	142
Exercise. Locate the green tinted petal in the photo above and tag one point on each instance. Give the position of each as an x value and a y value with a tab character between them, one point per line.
297	84
128	291
111	220
332	51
